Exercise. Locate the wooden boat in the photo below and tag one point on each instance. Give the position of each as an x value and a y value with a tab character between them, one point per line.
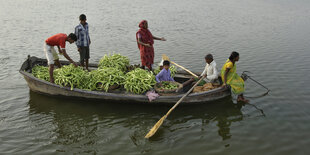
47	88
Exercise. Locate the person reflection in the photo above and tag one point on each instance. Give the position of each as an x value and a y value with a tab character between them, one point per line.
232	113
223	113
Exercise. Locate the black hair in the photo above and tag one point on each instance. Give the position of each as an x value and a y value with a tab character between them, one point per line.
166	62
82	17
233	55
209	56
72	36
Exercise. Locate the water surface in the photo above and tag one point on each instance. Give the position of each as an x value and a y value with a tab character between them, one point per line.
272	37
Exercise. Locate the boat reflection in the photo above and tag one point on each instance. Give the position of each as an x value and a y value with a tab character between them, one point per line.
222	112
76	121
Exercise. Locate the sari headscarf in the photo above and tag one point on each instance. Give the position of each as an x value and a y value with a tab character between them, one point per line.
233	79
146	53
146	35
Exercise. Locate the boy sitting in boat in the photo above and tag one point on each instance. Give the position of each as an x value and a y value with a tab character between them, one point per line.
164	74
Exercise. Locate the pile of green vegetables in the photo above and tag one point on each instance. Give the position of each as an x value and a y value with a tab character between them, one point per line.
111	71
168	85
70	76
41	72
76	77
105	77
139	80
115	61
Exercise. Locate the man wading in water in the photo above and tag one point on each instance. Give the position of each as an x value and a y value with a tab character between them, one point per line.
58	40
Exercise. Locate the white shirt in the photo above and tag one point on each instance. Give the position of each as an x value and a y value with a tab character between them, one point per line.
211	72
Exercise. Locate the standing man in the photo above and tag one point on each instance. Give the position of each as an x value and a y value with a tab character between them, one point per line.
145	41
58	40
83	40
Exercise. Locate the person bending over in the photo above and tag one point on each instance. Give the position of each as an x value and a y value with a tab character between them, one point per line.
58	40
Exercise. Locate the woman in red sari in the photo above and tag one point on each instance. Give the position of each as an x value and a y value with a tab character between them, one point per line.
145	41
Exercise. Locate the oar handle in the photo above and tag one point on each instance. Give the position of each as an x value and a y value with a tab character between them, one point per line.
160	122
188	92
184	69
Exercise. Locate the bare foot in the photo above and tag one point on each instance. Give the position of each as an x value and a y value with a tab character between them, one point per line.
241	99
245	100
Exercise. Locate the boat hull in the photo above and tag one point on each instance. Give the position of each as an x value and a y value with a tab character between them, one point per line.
47	88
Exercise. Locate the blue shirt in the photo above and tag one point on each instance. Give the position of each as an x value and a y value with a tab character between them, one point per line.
164	75
82	35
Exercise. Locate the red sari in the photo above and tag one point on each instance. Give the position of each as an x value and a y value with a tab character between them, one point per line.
146	53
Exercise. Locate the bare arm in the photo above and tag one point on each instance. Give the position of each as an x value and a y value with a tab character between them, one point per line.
225	75
63	51
156	38
144	44
59	49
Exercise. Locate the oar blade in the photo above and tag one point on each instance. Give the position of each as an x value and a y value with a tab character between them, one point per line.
155	127
165	57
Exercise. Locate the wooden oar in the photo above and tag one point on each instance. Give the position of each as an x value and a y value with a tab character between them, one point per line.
160	122
165	57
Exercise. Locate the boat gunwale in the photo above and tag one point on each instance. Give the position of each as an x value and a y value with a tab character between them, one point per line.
117	94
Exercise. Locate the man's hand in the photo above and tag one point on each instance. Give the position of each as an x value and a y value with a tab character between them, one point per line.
162	39
79	49
194	83
147	45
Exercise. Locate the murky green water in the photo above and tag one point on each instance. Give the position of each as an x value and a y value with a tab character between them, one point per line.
272	37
